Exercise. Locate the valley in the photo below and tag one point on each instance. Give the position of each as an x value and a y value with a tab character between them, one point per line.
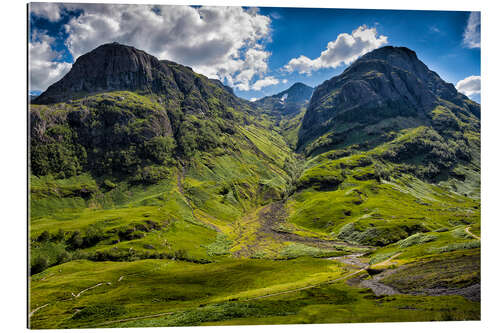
159	198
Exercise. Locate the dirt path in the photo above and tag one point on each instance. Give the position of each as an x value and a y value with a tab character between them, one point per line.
385	262
351	260
38	308
89	288
264	228
274	214
470	233
374	283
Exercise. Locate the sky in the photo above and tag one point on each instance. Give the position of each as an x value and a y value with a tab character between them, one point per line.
256	51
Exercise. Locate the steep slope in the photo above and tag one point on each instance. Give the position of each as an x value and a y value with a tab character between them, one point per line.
106	131
382	93
175	156
384	83
393	146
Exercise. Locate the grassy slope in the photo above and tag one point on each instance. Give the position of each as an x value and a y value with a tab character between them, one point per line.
208	210
195	294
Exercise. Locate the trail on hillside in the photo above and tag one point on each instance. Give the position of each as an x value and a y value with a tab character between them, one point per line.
89	288
274	214
38	308
470	233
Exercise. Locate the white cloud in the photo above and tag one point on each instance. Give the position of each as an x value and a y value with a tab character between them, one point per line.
267	81
253	99
47	10
472	33
226	43
470	85
44	68
344	50
284	81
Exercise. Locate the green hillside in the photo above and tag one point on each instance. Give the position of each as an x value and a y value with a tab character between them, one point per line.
169	201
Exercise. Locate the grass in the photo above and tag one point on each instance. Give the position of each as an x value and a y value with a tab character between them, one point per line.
194	243
216	293
151	286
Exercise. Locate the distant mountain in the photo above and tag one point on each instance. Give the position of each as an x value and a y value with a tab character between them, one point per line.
287	102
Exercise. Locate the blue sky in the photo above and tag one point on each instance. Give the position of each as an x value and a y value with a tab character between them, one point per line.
260	51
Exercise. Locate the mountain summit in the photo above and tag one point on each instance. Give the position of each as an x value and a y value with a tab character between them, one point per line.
287	102
385	83
113	67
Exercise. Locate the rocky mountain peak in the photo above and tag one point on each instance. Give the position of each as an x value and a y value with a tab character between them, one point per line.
385	83
287	102
297	93
108	67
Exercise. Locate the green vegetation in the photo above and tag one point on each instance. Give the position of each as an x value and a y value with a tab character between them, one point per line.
200	210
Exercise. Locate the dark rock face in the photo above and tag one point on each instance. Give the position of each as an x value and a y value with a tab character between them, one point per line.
287	102
114	66
387	82
108	67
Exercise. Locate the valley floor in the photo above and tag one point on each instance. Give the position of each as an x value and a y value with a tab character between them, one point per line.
270	275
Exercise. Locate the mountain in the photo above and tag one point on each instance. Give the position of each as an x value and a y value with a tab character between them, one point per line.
386	83
286	109
179	196
385	141
287	102
117	67
118	105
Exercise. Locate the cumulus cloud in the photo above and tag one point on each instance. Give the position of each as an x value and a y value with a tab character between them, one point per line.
47	10
44	65
470	85
472	33
284	81
265	82
343	50
227	43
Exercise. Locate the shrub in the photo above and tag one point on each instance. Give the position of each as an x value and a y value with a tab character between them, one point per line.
43	237
58	237
127	234
109	184
38	264
159	149
93	235
418	238
151	174
181	254
75	241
